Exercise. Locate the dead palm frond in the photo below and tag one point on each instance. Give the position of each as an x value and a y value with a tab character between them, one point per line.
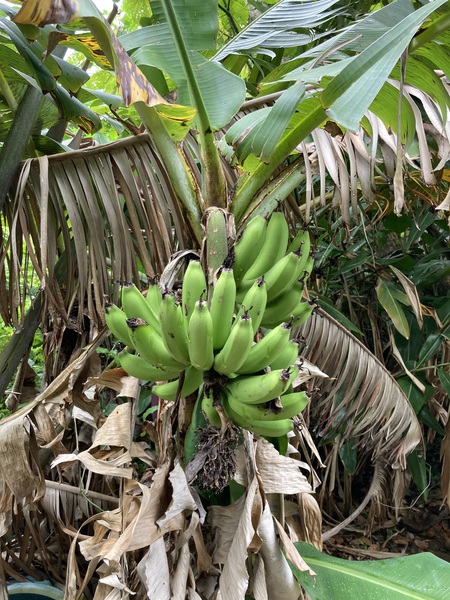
361	400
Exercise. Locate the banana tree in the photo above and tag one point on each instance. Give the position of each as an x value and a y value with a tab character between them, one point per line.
210	202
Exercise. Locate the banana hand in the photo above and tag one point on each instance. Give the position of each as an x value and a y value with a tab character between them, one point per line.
286	356
248	246
194	287
151	347
116	320
173	329
135	306
293	404
254	303
258	426
274	247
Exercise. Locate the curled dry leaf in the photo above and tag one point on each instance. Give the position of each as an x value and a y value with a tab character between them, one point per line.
153	571
234	580
279	474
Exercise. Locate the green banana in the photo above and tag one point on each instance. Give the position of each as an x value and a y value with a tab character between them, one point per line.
281	308
258	426
257	389
272	428
210	411
153	296
307	268
293	404
248	246
150	346
282	275
116	320
135	306
261	354
222	307
301	242
136	366
243	288
173	329
236	348
194	286
295	401
200	337
254	303
286	357
274	247
302	313
193	379
306	258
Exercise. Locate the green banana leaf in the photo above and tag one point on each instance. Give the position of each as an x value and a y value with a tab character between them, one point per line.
352	91
25	65
278	26
419	577
352	40
271	129
200	82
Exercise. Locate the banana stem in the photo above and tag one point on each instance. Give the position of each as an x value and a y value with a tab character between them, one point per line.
275	191
213	176
216	240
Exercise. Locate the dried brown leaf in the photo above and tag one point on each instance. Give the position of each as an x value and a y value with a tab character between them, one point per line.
153	570
15	468
310	520
114	467
143	529
116	430
181	573
234	580
279	474
182	499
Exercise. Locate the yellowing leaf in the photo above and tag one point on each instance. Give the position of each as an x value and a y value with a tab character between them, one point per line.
177	119
84	43
133	84
43	12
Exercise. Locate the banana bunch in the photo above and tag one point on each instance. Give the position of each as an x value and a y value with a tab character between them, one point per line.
186	340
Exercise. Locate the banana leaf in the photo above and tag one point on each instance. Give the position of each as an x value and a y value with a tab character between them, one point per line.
419	577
